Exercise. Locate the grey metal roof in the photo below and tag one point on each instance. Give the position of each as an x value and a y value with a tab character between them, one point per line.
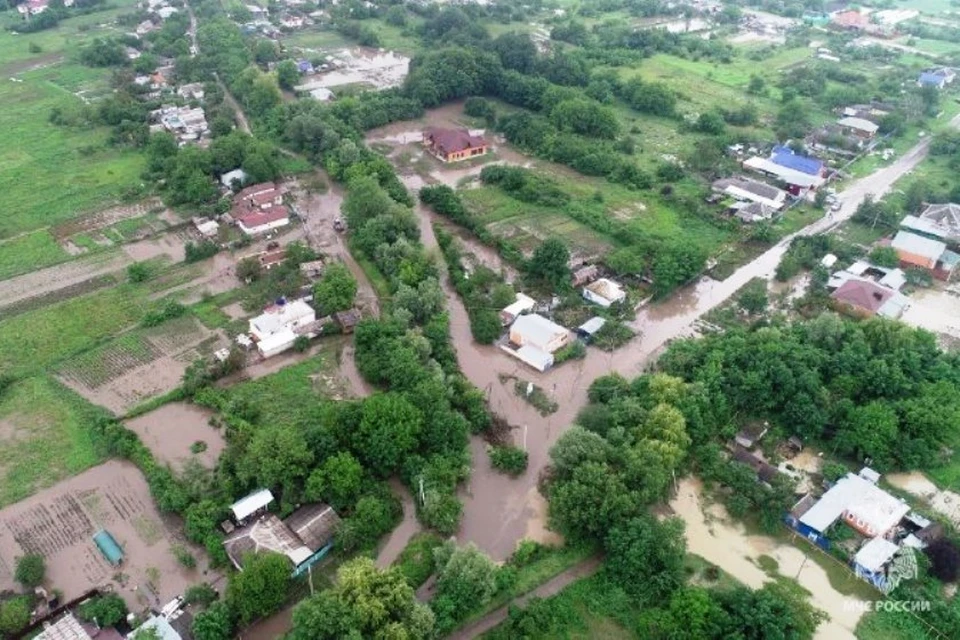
918	245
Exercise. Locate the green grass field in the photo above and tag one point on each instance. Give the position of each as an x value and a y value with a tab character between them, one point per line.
45	437
29	252
54	173
34	341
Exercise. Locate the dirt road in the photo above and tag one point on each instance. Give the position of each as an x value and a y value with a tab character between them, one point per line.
549	588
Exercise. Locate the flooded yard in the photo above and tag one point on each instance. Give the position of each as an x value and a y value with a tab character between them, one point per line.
945	502
711	534
59	523
360	65
171	432
936	311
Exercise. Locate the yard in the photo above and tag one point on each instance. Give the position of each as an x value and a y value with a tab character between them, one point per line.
45	436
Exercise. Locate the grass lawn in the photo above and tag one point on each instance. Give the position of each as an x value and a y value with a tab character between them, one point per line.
317	38
415	562
45	437
54	173
29	252
936	46
891	625
35	340
293	395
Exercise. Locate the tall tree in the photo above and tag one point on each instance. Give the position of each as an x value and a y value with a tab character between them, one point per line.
336	289
261	588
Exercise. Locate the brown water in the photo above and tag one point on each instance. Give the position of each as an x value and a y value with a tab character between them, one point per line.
407	528
276	626
170	430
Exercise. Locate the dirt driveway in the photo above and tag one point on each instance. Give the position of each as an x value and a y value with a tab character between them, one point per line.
59	524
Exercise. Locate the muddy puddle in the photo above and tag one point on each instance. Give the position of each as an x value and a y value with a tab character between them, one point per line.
59	523
711	534
272	628
172	430
945	502
935	311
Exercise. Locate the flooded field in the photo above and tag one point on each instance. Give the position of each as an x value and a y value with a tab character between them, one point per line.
711	534
945	502
59	524
170	432
378	69
935	311
139	365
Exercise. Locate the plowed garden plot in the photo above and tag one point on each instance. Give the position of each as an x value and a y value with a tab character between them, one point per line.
59	523
140	364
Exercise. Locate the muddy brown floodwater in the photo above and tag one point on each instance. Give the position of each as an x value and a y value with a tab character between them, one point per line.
59	523
171	430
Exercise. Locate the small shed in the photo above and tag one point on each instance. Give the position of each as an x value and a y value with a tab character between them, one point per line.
589	328
251	505
108	547
347	319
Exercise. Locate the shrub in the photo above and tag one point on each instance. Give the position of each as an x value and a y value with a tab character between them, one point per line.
138	272
107	610
201	594
197	251
573	351
184	557
509	459
30	570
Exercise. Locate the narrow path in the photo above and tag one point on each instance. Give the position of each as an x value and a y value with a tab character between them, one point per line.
408	527
549	588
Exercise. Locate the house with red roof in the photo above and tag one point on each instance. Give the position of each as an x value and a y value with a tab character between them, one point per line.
864	298
451	145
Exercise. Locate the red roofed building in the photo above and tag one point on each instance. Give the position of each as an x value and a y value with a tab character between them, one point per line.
262	196
254	222
865	298
451	145
851	20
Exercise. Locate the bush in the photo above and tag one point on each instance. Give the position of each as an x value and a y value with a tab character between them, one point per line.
509	459
30	570
14	616
184	557
612	334
884	257
138	272
201	594
833	471
169	311
576	350
197	251
301	344
106	610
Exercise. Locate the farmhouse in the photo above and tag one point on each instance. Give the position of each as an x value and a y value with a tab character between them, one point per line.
918	251
864	298
796	171
522	304
863	506
304	537
451	145
67	627
746	190
260	196
533	339
188	125
192	91
276	329
938	78
941	220
752	211
604	292
258	222
859	127
257	209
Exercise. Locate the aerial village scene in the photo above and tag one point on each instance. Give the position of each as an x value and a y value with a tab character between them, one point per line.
500	319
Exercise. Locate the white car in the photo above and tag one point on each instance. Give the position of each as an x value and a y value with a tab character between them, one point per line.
835	206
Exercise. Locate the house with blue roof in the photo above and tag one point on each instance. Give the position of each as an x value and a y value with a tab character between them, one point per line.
304	66
938	78
786	157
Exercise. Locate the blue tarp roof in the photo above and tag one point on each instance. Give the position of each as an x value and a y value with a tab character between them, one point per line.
785	157
108	546
931	78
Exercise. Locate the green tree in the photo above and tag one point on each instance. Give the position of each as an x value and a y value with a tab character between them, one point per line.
30	570
288	75
389	429
213	623
712	123
549	264
260	589
466	580
338	481
753	297
106	610
276	457
594	497
884	257
363	603
649	557
138	272
336	290
201	594
14	615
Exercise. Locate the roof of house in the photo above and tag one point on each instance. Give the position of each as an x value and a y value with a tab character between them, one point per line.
875	554
260	217
852	18
521	304
314	524
923	225
860	124
306	531
536	329
247	506
585	273
607	289
862	499
274	318
754	187
894	279
931	78
754	211
918	245
536	358
592	325
453	140
66	628
863	294
254	189
348	318
764	470
947	216
786	157
158	624
788	175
